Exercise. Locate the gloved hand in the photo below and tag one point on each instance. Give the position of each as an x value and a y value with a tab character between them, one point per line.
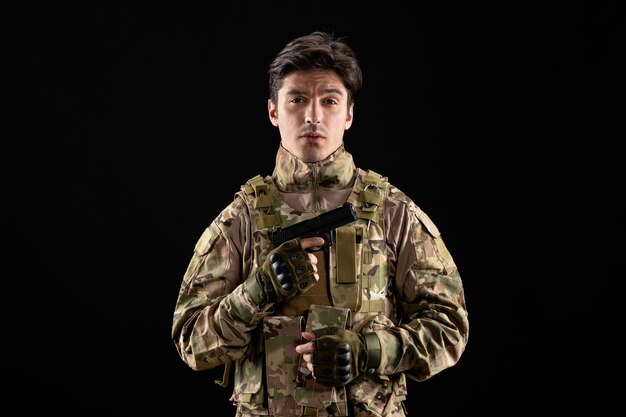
286	272
342	355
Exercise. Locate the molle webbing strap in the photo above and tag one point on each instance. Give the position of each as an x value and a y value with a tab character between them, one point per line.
309	412
369	305
372	196
263	202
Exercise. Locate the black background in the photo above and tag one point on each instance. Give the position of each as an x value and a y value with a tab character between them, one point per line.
129	128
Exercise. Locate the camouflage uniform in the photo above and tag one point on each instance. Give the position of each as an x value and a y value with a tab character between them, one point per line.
400	282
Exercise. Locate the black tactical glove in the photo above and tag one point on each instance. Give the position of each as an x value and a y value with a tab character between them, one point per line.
286	271
342	355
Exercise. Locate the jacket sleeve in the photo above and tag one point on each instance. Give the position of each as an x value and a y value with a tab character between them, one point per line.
213	318
433	329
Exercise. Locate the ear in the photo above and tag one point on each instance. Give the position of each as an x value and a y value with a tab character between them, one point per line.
272	112
350	116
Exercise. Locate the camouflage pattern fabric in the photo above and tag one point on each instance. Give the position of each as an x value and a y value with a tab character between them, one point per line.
282	335
406	287
311	394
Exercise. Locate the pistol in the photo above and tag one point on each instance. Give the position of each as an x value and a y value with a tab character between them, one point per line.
323	226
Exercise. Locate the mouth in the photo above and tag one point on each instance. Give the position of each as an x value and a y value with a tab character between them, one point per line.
312	136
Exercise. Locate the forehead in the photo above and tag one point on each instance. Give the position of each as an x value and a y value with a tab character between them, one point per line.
312	81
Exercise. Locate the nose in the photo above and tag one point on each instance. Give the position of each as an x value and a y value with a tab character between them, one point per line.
313	114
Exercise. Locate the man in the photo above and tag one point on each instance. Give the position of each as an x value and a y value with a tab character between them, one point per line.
320	326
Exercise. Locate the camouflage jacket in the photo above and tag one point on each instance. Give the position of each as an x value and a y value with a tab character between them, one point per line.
408	290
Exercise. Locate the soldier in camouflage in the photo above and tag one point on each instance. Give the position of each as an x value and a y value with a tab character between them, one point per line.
314	328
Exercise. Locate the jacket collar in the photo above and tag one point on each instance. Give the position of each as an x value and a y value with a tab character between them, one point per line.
291	174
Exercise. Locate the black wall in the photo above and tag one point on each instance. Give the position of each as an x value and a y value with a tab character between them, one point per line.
128	129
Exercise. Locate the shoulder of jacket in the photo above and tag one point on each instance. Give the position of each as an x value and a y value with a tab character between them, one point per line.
398	200
228	220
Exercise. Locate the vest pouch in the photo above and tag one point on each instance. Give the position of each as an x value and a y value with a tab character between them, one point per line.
248	390
317	399
344	272
380	395
282	334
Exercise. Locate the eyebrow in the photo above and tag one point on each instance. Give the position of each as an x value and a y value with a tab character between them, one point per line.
326	90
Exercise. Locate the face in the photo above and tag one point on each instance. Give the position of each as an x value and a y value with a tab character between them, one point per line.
312	114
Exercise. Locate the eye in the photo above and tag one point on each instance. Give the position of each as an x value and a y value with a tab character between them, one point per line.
330	101
296	100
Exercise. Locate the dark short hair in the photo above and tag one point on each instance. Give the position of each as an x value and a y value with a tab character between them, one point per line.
316	51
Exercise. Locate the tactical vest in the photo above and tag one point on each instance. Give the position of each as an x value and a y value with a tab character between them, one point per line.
357	281
357	264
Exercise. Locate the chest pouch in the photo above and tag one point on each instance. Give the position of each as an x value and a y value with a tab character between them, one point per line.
282	334
317	399
345	264
291	389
